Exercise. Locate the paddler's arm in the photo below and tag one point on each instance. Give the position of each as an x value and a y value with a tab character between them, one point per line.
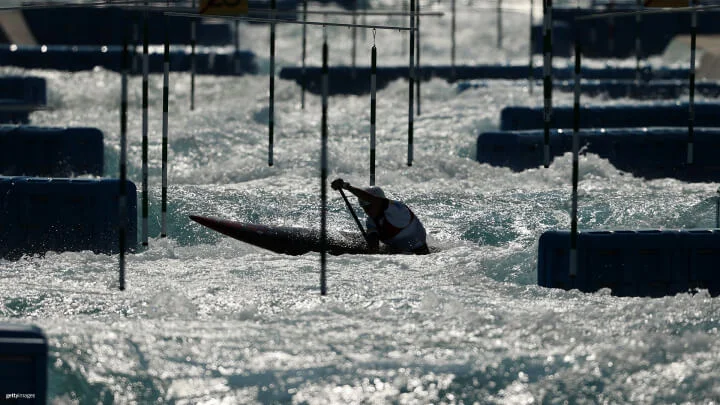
358	192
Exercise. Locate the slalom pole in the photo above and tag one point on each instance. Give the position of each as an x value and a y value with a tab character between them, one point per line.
417	60
403	46
236	45
691	103
145	68
193	59
352	211
271	111
323	168
499	25
136	40
411	78
353	30
638	41
575	166
166	93
373	105
304	46
452	40
717	209
530	59
122	220
547	76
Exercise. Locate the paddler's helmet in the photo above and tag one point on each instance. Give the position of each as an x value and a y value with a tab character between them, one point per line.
374	190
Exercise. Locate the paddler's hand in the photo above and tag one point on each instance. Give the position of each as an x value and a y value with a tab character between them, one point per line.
338	184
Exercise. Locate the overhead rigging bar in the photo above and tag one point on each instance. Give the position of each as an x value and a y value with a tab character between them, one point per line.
648	11
278	20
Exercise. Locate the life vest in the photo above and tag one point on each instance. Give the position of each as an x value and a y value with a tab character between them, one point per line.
387	231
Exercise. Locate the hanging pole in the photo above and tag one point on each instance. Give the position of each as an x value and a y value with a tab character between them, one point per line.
411	79
145	68
373	90
531	77
499	25
452	39
304	46
417	60
193	59
575	166
717	209
271	112
122	220
363	6
166	95
236	41
323	168
638	41
353	30
136	42
403	47
354	215
691	104
547	75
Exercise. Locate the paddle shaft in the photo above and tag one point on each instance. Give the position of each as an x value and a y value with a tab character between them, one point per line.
352	211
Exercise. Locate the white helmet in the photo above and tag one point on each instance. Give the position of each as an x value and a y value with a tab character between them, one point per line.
374	190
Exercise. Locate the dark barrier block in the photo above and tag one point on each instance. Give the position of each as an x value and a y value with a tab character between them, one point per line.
604	38
50	152
640	263
44	214
644	152
346	80
108	25
623	88
14	111
23	364
612	116
657	89
561	35
703	246
29	90
79	58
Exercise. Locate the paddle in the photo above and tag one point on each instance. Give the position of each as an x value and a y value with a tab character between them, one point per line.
352	211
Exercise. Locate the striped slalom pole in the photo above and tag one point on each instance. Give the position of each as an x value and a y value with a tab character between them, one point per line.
691	104
575	166
452	39
166	95
638	41
145	69
373	105
530	58
193	59
323	168
499	25
304	47
271	111
547	76
122	220
417	60
411	78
